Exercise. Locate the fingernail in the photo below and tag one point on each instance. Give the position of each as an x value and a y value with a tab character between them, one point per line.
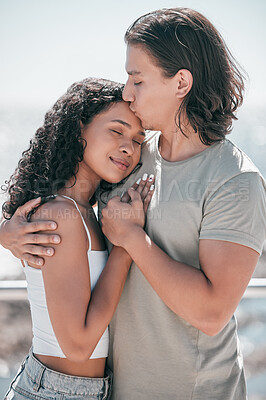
138	181
151	177
145	176
56	239
53	225
152	187
39	262
49	252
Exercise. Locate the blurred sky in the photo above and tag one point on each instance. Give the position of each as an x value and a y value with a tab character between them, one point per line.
45	45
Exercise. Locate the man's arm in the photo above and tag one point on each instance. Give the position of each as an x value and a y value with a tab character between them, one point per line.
206	297
25	239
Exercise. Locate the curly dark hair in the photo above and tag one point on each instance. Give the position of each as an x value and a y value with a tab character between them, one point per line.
181	38
57	148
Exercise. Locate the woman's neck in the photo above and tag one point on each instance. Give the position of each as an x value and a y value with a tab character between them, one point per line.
84	187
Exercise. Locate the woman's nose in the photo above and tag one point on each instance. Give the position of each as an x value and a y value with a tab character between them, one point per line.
127	147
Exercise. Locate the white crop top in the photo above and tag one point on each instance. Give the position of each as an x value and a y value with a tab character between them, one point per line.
44	340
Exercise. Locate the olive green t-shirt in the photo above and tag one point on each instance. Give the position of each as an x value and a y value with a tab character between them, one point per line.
154	354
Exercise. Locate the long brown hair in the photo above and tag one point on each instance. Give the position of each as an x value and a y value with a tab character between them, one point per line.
181	38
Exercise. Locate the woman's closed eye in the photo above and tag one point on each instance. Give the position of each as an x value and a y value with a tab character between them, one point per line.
113	130
138	142
137	83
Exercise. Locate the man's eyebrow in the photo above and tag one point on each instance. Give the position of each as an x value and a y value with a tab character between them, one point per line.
134	72
120	121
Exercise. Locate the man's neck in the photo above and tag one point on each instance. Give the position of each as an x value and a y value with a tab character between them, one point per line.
175	146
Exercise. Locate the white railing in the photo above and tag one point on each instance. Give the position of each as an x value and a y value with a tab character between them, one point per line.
16	290
13	290
256	288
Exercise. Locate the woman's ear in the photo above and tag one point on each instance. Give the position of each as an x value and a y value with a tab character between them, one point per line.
184	80
81	125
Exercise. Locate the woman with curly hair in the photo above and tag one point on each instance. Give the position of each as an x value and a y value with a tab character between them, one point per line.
89	136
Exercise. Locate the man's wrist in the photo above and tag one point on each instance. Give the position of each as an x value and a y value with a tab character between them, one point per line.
129	239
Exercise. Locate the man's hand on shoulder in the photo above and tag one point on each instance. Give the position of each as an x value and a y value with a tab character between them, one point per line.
27	240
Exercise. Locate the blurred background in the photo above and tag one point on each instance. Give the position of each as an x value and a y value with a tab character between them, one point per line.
46	45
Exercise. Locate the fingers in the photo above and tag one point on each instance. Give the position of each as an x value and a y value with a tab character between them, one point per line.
37	261
147	199
125	197
145	185
42	238
146	189
141	183
134	195
38	226
36	250
27	207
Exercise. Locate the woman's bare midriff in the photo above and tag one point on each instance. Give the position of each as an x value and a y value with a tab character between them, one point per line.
93	368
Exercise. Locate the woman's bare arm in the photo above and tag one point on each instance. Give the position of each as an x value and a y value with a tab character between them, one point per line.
78	318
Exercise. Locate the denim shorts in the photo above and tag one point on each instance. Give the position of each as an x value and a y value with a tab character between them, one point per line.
35	381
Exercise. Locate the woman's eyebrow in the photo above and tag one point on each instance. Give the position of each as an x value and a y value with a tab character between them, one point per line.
120	121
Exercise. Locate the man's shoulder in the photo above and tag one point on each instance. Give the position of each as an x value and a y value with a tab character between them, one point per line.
228	168
228	160
224	165
238	158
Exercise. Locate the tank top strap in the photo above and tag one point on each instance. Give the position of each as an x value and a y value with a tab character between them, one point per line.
84	223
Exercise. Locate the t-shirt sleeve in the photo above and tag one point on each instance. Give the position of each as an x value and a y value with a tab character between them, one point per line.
236	212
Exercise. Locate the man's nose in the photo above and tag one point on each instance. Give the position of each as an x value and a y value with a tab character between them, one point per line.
128	93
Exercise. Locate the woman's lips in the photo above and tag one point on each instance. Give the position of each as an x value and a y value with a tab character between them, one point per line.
120	163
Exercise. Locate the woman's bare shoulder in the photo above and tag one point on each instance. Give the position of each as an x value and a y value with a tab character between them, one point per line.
61	210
